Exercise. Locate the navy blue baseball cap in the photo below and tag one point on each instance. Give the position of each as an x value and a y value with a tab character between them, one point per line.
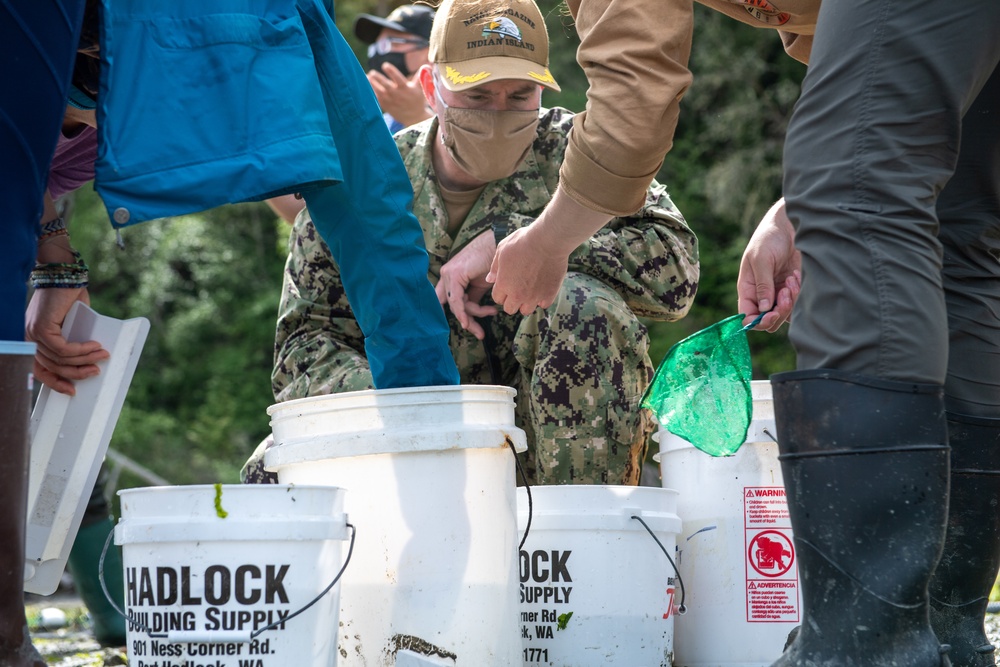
413	19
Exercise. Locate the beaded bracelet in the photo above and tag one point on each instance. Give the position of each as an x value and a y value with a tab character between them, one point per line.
57	274
52	226
51	229
45	238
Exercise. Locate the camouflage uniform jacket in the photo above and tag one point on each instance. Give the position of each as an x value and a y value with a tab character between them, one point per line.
650	259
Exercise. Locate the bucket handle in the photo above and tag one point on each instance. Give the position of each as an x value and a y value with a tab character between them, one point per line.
490	346
681	609
216	637
527	490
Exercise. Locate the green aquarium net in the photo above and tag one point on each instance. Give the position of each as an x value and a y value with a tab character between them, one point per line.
701	390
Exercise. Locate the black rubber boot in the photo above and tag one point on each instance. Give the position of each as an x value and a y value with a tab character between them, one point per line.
865	466
84	565
961	585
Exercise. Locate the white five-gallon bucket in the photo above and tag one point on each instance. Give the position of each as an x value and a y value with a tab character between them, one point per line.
596	588
735	551
429	474
209	568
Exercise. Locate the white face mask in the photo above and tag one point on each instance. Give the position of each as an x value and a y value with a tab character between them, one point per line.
487	145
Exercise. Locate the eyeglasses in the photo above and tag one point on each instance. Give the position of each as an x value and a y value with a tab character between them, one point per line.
384	45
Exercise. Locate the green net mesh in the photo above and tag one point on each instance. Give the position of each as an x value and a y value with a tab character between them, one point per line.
701	390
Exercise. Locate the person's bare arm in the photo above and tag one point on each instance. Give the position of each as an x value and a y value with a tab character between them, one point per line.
58	362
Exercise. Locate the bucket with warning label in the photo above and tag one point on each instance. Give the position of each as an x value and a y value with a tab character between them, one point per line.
598	585
232	575
735	550
429	474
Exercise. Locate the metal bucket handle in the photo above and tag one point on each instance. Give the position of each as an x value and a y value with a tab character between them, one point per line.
215	637
681	609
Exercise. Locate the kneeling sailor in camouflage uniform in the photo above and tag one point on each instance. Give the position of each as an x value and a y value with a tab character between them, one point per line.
484	165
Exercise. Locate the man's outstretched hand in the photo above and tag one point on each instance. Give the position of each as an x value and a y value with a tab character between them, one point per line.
530	264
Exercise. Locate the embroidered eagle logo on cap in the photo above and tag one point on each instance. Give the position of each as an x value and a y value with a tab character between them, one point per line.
504	27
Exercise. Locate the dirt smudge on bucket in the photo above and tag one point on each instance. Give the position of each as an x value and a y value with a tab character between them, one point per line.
418	645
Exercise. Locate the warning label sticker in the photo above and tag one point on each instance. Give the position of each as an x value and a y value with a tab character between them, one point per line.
772	581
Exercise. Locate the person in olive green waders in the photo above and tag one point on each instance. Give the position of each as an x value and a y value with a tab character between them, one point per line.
888	430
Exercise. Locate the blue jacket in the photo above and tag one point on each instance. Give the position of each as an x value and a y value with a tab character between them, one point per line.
205	103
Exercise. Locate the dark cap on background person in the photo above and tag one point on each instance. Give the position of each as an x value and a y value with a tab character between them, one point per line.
412	19
477	41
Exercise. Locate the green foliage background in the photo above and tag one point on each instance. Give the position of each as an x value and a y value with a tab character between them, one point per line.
210	283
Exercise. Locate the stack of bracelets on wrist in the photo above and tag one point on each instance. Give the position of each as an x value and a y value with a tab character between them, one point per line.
75	275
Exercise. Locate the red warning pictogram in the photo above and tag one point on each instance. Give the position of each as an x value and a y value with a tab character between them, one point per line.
771	553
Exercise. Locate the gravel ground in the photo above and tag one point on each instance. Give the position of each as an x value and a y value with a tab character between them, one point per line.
73	645
993	628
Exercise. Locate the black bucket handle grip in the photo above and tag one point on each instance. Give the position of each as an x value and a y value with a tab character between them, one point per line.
681	609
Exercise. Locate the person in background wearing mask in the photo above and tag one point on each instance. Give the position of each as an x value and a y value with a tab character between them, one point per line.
397	48
486	164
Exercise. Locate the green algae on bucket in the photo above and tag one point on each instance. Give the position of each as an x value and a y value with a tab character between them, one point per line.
219	512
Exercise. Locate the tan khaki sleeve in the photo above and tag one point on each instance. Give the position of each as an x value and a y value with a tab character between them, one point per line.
635	55
797	46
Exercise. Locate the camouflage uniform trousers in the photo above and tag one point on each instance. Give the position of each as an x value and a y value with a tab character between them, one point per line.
579	367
